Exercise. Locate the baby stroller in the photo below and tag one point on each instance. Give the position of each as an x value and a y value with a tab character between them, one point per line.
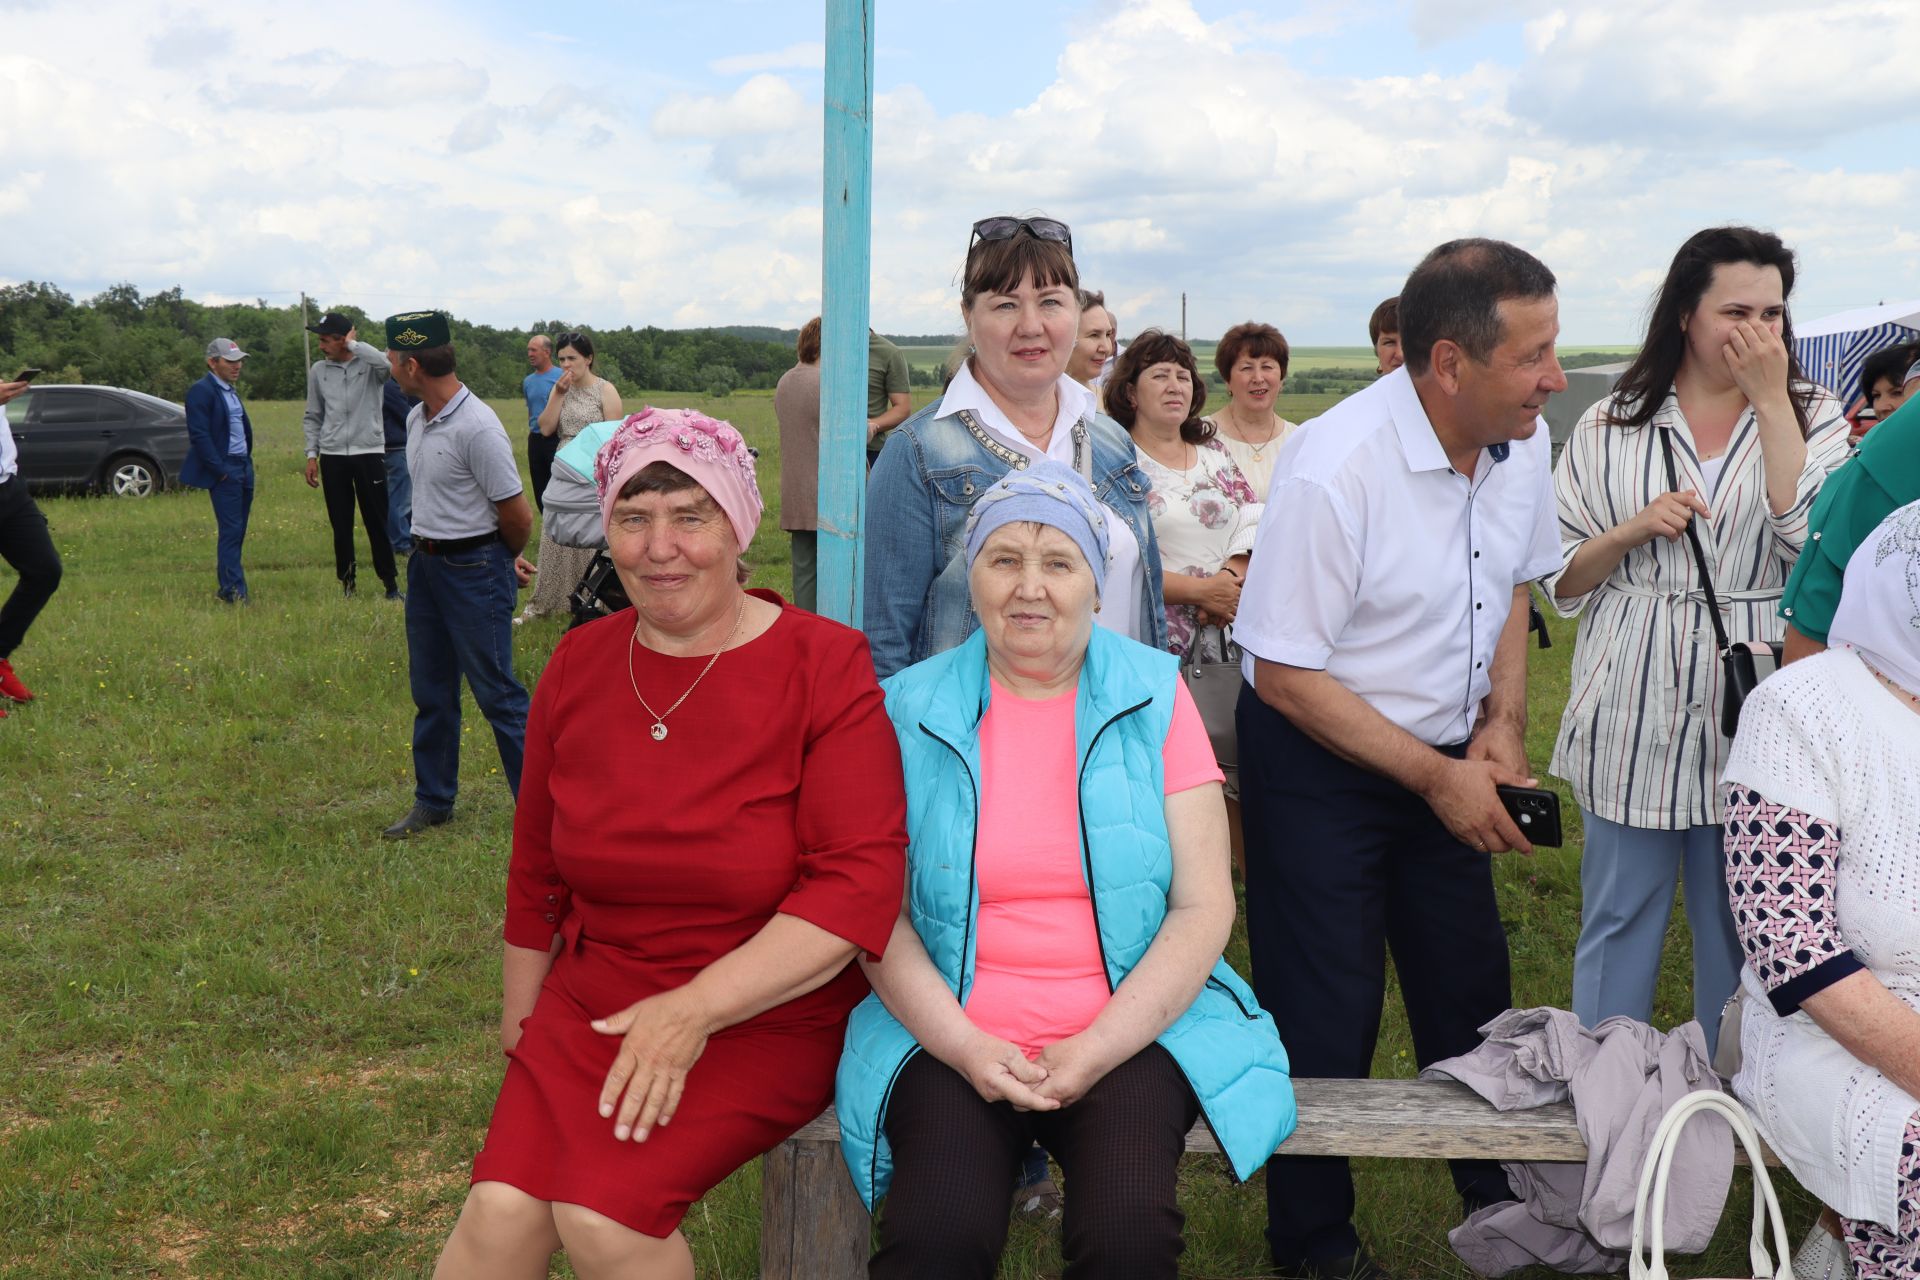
572	515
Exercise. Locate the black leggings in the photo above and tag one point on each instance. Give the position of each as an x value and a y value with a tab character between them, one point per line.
954	1157
28	547
343	478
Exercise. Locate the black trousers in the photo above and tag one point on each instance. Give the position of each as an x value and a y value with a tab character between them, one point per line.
26	544
344	479
1343	864
955	1154
540	451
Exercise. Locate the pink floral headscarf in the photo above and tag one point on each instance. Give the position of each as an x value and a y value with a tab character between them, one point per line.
709	450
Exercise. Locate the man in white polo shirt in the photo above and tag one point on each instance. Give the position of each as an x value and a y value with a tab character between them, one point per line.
1384	620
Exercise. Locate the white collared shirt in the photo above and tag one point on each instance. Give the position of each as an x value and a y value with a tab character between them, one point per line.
1124	581
9	452
1380	564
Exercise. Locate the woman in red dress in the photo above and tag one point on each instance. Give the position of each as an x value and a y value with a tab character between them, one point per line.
711	826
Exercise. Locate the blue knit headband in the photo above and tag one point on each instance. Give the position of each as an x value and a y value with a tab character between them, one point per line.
1049	493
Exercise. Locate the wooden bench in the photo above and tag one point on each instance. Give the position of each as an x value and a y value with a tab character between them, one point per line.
814	1227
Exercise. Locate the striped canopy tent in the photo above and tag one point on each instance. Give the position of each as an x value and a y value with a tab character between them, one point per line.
1833	348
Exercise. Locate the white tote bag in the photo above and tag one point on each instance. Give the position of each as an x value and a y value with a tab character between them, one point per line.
1649	1210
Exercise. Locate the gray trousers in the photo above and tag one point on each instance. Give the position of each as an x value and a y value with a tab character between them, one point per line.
1627	879
806	568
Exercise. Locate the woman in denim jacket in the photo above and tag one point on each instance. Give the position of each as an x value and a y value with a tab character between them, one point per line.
1010	404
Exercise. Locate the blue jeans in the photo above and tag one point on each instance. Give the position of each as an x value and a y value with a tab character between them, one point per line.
399	503
460	623
232	505
1627	878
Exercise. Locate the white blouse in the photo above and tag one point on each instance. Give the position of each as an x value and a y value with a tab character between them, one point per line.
1640	738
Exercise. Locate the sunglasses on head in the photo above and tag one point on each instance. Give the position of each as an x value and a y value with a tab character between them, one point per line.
1004	228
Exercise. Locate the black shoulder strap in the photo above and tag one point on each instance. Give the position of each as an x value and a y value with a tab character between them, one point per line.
1693	538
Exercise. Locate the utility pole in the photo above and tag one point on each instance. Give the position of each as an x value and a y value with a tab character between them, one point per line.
846	277
1183	315
306	338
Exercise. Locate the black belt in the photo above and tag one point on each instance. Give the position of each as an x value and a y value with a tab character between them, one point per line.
452	546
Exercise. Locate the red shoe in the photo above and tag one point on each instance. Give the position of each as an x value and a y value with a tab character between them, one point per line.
10	686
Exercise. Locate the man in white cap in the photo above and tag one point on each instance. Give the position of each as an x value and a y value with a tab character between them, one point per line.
220	459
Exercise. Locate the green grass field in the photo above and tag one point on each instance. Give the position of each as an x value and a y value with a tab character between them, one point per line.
244	1037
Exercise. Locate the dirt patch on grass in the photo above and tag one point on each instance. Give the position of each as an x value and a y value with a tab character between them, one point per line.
17	1120
175	1243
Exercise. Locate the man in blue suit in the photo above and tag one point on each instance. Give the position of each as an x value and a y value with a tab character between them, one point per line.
220	459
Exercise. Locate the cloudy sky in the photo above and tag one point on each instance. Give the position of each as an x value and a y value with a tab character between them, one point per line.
659	162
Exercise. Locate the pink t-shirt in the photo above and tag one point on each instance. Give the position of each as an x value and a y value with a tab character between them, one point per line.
1037	972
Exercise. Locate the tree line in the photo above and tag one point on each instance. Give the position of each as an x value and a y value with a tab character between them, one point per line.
157	343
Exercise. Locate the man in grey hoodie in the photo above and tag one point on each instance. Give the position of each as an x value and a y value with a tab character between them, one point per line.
346	444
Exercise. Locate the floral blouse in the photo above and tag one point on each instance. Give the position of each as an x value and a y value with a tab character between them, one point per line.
1202	518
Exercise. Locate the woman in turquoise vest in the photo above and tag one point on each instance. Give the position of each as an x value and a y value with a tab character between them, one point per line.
1058	954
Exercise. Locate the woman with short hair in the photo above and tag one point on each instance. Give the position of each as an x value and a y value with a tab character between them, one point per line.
1055	972
1010	404
1711	420
676	977
1203	506
1252	359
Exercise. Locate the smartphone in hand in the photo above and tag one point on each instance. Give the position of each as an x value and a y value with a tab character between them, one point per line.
1536	811
26	375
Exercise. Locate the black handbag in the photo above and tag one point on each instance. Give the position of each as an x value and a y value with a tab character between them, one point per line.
1742	666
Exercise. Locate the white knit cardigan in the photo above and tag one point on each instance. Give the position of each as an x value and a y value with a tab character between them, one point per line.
1824	737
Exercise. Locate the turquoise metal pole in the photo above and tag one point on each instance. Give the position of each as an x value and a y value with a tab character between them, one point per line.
847	209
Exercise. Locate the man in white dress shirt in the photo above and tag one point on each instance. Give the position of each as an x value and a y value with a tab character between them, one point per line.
1384	621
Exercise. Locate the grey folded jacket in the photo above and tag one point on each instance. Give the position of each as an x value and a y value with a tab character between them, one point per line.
1621	1076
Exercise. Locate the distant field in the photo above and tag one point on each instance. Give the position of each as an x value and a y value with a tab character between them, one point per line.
1302	357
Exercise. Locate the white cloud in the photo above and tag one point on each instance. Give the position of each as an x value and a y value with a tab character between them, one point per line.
1695	77
1231	160
807	56
765	104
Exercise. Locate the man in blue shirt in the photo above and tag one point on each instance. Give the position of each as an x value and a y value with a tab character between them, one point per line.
538	387
220	460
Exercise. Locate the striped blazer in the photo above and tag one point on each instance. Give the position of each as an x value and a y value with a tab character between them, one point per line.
1640	739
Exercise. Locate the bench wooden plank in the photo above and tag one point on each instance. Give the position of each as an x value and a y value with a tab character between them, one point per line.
1400	1119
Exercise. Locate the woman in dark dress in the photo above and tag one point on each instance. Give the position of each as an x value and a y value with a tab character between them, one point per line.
710	827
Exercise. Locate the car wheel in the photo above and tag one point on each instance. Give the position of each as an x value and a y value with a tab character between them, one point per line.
130	476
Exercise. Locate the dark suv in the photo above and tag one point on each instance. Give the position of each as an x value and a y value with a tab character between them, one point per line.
125	443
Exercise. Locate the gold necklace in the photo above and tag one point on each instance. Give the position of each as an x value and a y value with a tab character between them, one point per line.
659	730
1272	431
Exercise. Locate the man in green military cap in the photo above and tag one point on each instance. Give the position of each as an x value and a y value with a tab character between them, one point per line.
470	519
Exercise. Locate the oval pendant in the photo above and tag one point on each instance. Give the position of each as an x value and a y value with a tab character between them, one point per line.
659	731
